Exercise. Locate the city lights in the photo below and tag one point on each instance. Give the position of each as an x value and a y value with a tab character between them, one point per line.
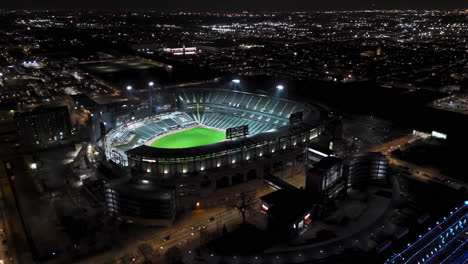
117	126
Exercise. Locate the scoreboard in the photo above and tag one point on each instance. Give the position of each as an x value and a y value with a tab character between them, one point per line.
295	118
235	132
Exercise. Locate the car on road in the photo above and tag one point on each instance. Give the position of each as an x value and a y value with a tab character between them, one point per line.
167	238
211	219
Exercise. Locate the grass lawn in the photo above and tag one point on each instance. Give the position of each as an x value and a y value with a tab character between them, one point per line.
197	136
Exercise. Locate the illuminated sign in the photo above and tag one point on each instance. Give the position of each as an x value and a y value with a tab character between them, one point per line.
318	152
439	135
182	51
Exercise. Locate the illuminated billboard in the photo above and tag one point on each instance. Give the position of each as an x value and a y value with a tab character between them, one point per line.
438	135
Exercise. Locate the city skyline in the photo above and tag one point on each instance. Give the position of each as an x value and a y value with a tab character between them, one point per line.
240	5
177	137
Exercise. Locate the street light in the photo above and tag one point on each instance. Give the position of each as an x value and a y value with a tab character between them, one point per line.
151	83
279	87
236	81
129	87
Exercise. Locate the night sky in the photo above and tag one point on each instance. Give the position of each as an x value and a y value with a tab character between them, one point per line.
225	5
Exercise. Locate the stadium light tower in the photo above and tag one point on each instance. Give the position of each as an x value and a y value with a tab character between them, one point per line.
237	81
150	86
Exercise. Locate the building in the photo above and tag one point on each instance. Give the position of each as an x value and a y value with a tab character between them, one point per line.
2	80
289	211
44	126
315	153
142	200
7	111
149	48
365	168
326	180
83	102
181	51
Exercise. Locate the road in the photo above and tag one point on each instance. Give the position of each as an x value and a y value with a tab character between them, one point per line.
5	234
18	247
411	170
192	229
387	147
186	233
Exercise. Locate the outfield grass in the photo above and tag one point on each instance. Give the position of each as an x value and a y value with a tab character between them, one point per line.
197	136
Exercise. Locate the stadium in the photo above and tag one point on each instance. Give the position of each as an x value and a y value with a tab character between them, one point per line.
199	143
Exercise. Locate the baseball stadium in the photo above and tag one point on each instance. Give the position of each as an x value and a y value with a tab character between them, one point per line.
200	141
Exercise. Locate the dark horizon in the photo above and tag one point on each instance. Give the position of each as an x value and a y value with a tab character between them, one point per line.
241	5
247	131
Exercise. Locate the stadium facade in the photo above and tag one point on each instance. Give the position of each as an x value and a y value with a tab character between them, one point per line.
185	176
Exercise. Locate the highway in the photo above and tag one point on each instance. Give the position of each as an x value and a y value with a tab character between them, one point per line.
387	147
436	245
414	171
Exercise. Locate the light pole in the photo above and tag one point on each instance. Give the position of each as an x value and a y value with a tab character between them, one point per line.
129	89
150	86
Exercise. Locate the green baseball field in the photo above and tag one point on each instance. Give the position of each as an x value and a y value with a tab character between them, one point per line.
196	136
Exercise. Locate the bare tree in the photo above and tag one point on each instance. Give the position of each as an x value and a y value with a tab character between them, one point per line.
244	203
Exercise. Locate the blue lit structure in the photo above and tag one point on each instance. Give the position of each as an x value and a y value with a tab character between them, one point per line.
445	243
